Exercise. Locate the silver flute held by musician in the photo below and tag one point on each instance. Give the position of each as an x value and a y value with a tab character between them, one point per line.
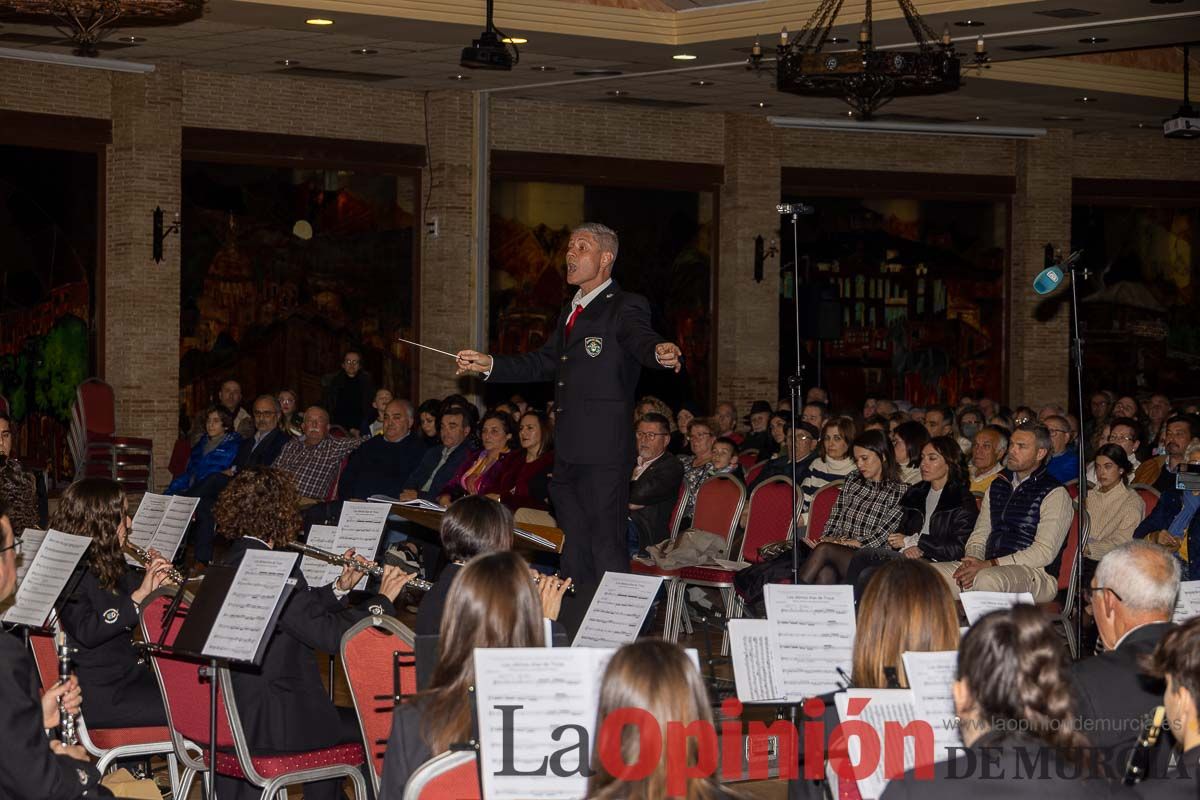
368	567
68	733
142	556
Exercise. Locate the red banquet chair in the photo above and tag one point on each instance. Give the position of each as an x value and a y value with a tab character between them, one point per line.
186	697
755	470
769	520
109	745
748	459
450	776
643	568
96	447
820	508
380	665
1149	497
1060	611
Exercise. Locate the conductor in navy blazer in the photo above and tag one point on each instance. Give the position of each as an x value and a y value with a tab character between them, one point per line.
601	341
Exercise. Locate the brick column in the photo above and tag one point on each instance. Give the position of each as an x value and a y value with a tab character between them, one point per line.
141	298
448	274
748	313
1038	341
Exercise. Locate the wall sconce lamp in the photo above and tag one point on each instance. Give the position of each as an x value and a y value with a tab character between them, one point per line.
763	251
161	233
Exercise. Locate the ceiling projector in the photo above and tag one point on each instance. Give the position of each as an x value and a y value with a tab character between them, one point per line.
487	52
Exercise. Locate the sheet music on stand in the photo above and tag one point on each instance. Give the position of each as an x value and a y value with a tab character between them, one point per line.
1187	604
886	705
931	677
618	610
812	632
161	523
360	527
979	604
31	542
427	505
755	662
46	577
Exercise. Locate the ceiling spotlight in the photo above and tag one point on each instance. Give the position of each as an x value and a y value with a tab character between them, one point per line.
837	40
1086	99
702	83
968	23
514	40
979	118
318	21
616	93
543	68
460	77
761	104
131	39
363	51
684	57
288	62
1093	40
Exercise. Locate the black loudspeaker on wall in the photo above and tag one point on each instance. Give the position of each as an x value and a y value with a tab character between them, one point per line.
820	313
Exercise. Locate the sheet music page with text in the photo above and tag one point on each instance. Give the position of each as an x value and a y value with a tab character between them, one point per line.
249	605
31	542
361	527
755	664
931	677
46	577
618	610
317	572
978	604
1187	605
173	525
812	628
886	705
146	521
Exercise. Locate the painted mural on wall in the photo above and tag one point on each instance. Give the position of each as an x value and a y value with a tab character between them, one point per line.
47	269
1139	307
285	269
919	289
665	253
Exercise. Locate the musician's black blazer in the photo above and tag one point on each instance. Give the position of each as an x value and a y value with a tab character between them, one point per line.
657	490
595	372
1114	695
1182	782
283	704
406	751
429	611
265	454
27	767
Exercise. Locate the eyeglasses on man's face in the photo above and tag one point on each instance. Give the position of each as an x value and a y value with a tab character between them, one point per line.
1091	592
650	434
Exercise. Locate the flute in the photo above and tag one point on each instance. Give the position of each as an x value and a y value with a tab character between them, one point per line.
142	556
368	567
68	734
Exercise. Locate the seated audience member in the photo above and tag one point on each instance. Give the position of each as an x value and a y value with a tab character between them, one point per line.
865	512
885	408
473	525
1002	420
987	456
283	704
1157	410
680	444
315	460
817	394
1013	697
917	414
654	487
383	463
1021	528
1115	510
1159	471
802	450
348	394
101	610
1126	406
778	426
651	405
18	485
725	422
1124	432
1132	596
697	467
440	464
519	402
834	462
494	470
32	764
659	678
987	407
1063	464
759	438
905	607
815	413
939	421
214	453
1176	661
908	440
1100	405
876	422
508	410
229	397
492	602
531	488
869	405
968	422
725	458
1174	523
938	514
291	420
374	422
1046	412
1023	414
427	422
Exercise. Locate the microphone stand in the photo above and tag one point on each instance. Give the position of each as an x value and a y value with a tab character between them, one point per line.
1085	524
795	385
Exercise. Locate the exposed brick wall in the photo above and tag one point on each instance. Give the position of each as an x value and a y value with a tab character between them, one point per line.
1135	155
898	153
53	89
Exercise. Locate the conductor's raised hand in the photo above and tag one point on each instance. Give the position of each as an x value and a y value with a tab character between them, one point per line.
669	355
473	361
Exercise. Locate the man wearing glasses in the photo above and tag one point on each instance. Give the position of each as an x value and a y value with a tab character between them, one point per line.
654	487
1131	598
802	450
1064	458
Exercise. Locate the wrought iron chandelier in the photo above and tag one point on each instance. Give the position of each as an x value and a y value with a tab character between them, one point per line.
867	78
88	22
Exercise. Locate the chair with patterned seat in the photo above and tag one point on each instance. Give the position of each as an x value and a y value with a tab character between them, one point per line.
96	447
454	774
1061	611
819	509
186	697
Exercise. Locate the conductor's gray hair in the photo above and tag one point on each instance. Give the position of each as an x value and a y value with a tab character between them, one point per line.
605	236
1145	576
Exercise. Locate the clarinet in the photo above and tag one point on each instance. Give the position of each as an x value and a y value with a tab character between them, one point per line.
68	734
1138	765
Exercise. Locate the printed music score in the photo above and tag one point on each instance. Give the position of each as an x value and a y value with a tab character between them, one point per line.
1187	605
360	527
812	636
46	577
249	605
755	662
31	542
977	604
887	705
161	523
428	505
931	678
618	610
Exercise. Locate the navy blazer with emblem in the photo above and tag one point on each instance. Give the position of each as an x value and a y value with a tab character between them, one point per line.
595	372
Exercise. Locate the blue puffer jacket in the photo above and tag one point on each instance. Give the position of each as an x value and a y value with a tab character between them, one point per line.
1015	512
201	465
1169	506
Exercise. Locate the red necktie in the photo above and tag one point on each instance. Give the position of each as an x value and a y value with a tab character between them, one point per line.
571	322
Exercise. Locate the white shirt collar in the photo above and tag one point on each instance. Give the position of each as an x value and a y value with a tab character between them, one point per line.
585	299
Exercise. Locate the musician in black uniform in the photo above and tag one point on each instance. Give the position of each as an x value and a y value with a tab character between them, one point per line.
595	355
32	765
100	609
283	704
1176	660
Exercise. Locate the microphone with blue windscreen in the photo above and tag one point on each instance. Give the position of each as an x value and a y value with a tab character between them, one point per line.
1051	277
